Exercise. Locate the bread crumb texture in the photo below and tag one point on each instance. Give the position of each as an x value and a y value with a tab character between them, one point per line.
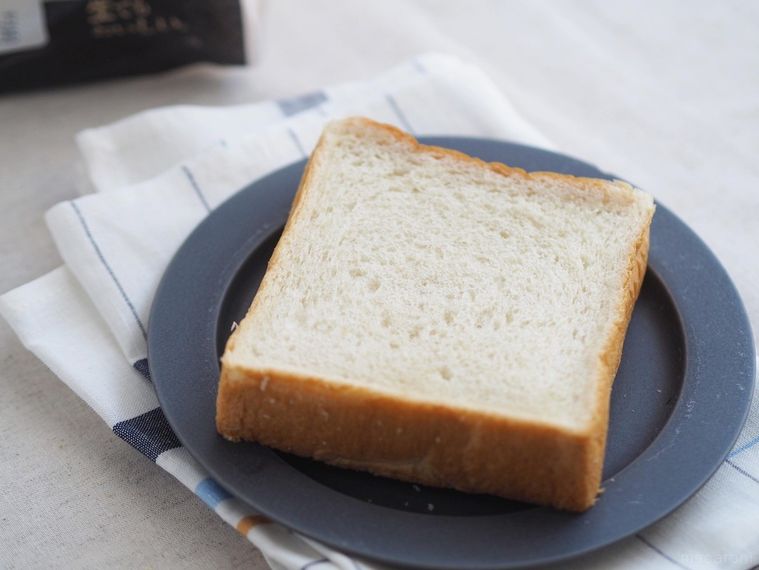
425	275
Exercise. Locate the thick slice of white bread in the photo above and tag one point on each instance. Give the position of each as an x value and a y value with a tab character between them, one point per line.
435	318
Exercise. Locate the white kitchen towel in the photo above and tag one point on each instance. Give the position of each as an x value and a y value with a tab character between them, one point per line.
159	173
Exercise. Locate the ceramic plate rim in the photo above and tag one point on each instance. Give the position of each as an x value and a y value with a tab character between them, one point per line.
167	358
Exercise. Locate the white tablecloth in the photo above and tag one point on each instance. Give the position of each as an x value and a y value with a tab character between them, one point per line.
666	95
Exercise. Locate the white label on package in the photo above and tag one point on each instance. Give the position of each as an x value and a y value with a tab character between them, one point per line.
22	25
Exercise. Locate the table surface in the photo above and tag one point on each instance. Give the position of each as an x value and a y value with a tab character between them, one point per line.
666	96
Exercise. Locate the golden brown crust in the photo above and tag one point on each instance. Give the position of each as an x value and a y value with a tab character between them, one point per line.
432	444
426	443
498	167
610	358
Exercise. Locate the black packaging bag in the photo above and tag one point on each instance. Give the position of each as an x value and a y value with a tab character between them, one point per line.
73	41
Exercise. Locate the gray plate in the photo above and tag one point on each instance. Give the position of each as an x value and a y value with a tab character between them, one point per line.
680	398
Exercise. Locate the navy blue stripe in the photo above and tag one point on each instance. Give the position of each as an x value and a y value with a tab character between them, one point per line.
419	66
661	553
108	268
742	471
293	105
398	113
314	563
296	140
195	187
149	433
142	367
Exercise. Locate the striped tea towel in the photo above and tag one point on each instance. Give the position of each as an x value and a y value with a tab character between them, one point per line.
158	174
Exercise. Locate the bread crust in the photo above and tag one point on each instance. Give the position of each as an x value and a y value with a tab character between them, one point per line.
427	443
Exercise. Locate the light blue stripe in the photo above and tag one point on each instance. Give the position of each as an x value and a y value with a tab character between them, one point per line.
301	103
296	141
745	447
108	268
196	187
393	104
211	493
661	552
